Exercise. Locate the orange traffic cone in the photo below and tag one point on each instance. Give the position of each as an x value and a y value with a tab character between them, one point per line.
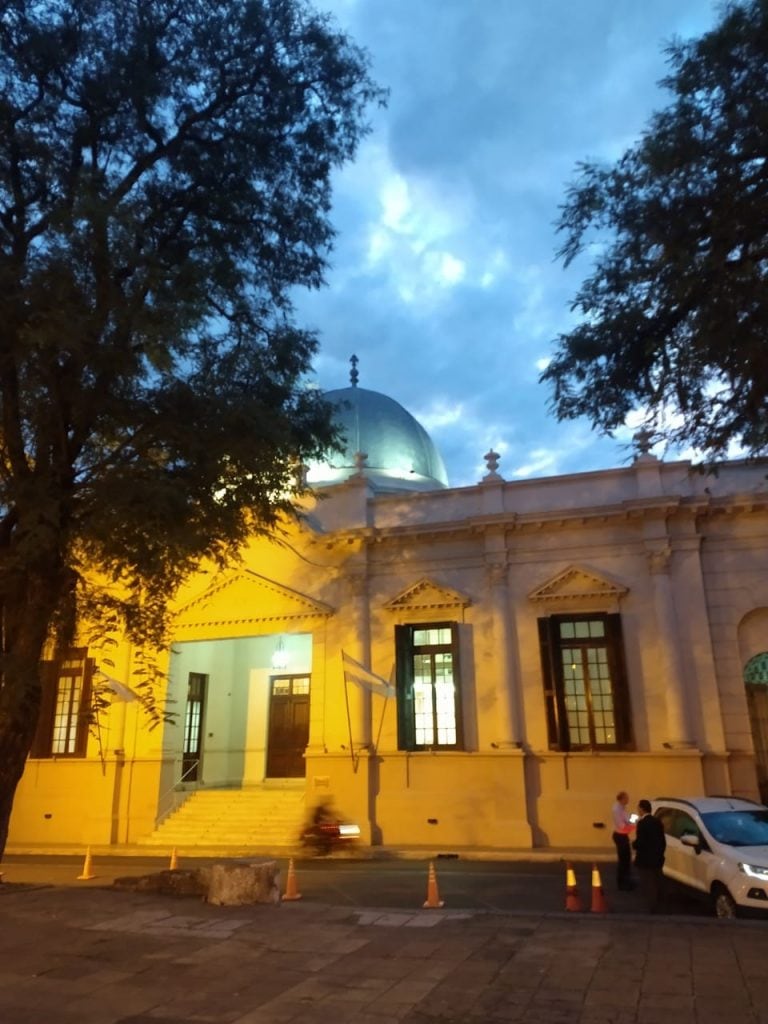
87	872
291	888
174	864
433	896
599	906
572	898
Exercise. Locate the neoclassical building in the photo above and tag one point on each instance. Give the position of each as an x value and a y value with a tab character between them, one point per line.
515	653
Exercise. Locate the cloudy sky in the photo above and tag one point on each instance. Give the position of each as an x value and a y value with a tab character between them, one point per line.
444	279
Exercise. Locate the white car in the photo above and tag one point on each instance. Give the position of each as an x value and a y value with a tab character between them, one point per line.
718	845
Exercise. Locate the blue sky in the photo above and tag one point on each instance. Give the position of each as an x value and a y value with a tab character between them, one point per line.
444	280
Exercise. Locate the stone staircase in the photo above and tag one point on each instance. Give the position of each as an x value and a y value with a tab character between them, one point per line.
266	816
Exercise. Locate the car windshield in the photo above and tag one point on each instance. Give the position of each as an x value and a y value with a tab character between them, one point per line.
738	828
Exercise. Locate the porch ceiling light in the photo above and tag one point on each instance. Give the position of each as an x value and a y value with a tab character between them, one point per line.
280	656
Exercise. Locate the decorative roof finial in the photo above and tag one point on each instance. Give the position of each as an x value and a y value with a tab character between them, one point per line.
643	441
353	374
492	463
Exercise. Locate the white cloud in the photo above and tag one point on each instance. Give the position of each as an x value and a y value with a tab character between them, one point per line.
419	238
406	242
496	265
443	268
440	414
639	419
395	203
541	462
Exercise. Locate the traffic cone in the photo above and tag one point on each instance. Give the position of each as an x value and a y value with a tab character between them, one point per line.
599	906
174	864
433	896
291	888
87	873
572	898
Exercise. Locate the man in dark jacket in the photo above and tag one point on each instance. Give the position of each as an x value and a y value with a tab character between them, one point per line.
649	846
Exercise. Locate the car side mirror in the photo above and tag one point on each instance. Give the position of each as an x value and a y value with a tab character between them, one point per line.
691	840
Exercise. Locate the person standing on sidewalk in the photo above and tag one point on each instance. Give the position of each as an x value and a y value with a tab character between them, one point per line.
649	846
622	829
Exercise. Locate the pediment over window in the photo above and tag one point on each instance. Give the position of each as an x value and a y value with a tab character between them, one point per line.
247	597
577	584
427	594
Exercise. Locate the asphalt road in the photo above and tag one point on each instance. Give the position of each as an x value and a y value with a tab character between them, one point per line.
531	887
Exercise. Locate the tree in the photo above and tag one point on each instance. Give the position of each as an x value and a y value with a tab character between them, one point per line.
164	184
674	317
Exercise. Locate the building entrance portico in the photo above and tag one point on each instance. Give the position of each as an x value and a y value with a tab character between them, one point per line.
236	720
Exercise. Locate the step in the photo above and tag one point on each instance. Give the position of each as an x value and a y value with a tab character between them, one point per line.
272	815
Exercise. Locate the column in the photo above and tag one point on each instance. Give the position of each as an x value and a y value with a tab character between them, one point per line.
678	722
508	704
356	793
357	643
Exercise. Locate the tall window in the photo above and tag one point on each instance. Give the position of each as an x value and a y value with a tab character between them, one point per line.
65	706
193	726
429	706
585	685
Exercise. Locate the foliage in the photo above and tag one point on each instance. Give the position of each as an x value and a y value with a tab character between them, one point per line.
165	181
674	317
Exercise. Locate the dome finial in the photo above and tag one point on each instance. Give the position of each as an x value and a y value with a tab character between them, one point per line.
353	374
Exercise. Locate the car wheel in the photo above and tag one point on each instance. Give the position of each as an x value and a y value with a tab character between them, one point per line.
723	903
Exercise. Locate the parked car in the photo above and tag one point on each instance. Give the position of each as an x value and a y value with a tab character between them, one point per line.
718	845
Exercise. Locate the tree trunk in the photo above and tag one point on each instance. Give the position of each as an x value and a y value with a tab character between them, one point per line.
29	604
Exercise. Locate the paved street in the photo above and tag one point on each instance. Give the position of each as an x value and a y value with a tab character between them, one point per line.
87	954
536	885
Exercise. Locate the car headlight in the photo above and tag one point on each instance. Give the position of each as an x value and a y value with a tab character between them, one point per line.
754	871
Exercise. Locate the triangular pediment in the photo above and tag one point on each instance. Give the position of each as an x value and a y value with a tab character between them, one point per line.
427	594
578	584
246	597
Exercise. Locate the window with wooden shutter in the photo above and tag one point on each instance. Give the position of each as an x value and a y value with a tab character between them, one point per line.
65	708
428	688
585	686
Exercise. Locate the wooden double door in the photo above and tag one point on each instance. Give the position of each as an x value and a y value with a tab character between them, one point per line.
288	732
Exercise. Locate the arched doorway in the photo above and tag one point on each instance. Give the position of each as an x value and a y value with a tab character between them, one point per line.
756	682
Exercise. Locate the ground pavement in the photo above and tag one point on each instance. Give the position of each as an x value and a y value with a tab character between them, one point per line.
101	956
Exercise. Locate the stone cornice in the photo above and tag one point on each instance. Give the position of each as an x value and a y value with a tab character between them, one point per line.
696	507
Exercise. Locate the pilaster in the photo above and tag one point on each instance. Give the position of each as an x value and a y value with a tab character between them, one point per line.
659	556
509	716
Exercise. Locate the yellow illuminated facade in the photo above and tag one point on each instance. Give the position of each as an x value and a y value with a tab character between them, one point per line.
547	643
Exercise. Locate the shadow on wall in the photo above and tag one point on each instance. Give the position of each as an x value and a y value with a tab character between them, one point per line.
533	795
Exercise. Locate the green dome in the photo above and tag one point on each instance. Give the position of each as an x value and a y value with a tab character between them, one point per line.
401	454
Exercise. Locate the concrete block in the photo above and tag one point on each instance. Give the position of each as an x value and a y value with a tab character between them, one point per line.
239	883
233	883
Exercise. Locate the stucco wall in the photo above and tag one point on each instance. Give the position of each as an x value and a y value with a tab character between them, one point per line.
682	556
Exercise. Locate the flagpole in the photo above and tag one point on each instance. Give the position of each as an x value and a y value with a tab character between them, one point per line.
384	710
349	726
